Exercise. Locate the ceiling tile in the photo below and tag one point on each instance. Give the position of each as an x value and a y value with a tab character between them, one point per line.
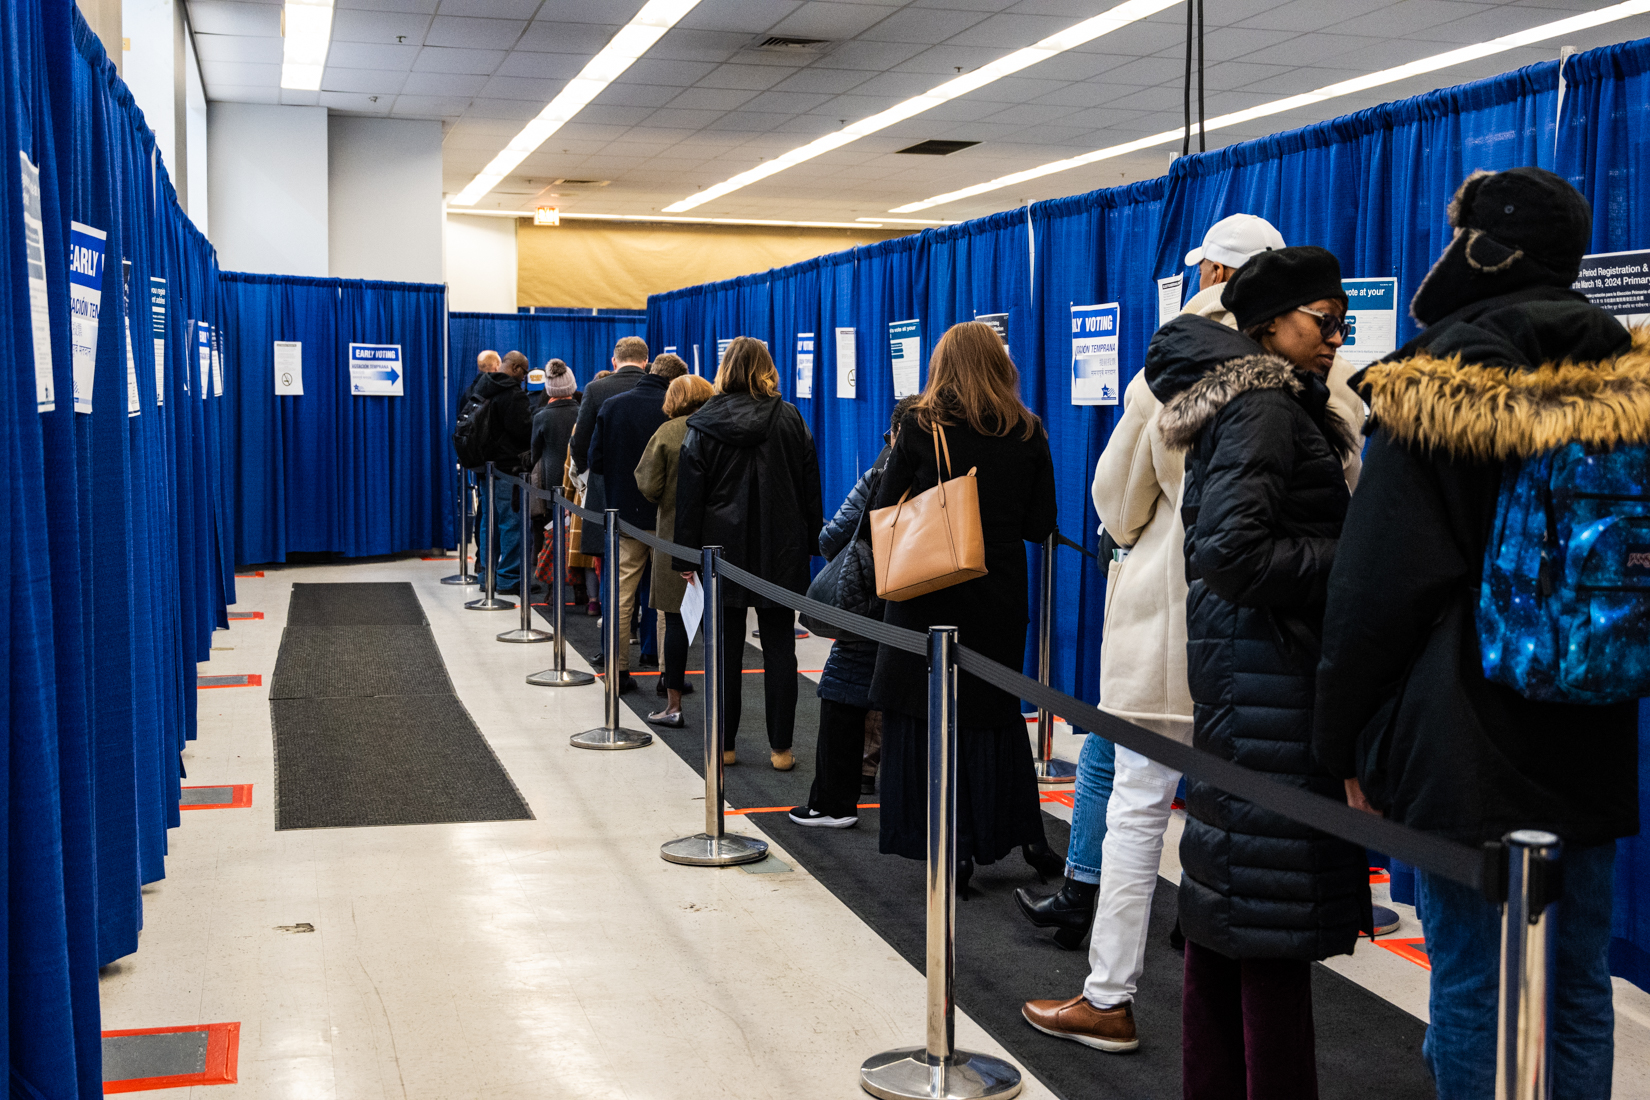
443	84
677	118
636	95
828	81
447	59
748	122
614	12
711	99
372	26
753	17
417	7
752	77
515	111
428	106
601	115
214	73
371	55
685	44
1012	32
789	103
928	26
897	86
492	9
832	21
673	74
521	87
223	17
243	93
476	34
354	103
237	48
1313	15
543	66
579	38
382	82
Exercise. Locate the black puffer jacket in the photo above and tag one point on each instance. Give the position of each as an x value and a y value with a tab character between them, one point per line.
748	481
846	677
509	421
1263	503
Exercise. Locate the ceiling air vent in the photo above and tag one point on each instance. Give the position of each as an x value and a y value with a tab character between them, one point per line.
581	183
780	43
936	148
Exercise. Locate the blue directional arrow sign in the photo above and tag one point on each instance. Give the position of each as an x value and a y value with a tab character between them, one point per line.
376	370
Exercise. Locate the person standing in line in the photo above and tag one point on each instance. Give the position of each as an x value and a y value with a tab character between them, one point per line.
630	361
487	362
656	477
508	424
626	422
845	683
552	430
1511	363
748	481
973	393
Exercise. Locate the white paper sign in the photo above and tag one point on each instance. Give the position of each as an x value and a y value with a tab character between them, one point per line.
722	351
34	254
1619	284
134	402
804	364
905	343
1169	292
375	370
696	359
86	260
693	607
203	352
157	329
1094	378
217	363
1372	311
846	374
289	367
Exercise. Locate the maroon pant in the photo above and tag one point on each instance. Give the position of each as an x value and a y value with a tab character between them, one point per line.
1246	1028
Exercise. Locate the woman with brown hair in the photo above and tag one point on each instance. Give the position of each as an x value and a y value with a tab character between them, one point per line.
973	394
748	481
656	478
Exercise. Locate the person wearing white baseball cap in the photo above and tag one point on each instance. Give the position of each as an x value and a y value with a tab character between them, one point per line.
1227	246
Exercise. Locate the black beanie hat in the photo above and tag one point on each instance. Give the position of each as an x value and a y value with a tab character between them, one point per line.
1274	282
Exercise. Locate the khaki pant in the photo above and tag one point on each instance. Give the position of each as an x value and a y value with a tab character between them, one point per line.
634	560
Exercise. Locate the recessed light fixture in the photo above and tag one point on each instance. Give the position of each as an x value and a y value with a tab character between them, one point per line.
633	40
307	27
1306	99
1130	11
935	147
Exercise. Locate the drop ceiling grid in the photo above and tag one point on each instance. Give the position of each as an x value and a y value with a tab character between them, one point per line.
702	106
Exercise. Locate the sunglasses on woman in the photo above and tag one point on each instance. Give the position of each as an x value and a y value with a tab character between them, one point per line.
1329	324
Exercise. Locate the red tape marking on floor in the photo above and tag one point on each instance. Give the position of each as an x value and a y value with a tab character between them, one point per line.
1378	875
1415	950
233	615
252	679
248	576
240	799
223	1042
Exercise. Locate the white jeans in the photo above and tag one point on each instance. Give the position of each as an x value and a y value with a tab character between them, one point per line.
1138	814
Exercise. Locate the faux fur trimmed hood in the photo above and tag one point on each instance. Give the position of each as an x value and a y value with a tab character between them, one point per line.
1485	412
1196	407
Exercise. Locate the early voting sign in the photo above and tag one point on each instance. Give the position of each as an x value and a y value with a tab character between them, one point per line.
1619	284
1094	378
1372	312
376	370
86	259
905	344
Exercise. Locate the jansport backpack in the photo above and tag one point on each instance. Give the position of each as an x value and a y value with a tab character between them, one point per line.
1564	611
471	431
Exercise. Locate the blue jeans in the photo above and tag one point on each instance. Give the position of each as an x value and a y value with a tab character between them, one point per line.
509	536
1088	815
1464	944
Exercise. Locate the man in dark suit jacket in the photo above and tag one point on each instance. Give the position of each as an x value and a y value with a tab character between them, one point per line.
629	365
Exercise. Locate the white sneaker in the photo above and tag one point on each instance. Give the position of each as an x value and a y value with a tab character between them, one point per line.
813	819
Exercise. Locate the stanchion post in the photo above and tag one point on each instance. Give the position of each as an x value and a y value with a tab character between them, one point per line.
558	674
1049	770
715	847
463	576
614	633
937	1070
490	600
526	632
1534	883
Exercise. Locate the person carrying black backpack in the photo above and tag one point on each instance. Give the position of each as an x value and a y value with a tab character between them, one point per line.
495	425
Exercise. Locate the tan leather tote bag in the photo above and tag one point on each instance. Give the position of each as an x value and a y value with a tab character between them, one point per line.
933	540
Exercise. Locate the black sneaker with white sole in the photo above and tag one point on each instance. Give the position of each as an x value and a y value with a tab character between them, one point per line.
813	819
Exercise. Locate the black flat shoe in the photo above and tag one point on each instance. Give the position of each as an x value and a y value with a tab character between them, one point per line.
1177	938
1070	911
647	660
1043	859
868	784
965	872
666	719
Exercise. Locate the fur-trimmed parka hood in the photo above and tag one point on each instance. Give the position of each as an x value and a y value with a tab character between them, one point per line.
1492	412
1195	408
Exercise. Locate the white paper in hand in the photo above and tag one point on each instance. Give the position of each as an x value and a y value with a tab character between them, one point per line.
693	607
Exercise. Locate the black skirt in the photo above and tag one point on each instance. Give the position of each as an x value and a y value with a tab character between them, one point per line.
997	800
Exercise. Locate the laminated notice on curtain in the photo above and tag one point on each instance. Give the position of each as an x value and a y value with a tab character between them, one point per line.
722	351
696	359
134	402
846	376
905	342
1372	314
34	254
157	330
289	368
375	370
203	352
1619	284
998	323
1169	292
1094	378
86	260
217	363
804	364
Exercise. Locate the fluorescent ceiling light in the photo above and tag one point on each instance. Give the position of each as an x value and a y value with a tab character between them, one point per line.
1131	11
307	27
632	41
568	216
907	221
1346	87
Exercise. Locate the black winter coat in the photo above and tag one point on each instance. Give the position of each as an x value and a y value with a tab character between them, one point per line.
748	481
846	677
1263	503
1402	700
509	421
595	396
623	427
552	429
1017	504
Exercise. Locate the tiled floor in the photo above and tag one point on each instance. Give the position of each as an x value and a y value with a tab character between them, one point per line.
558	957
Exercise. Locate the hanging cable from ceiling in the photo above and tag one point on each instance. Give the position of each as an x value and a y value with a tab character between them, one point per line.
1194	18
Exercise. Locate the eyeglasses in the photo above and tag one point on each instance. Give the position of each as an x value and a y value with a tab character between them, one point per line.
1329	324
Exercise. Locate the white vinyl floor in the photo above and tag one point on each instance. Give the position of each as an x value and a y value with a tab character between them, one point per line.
558	957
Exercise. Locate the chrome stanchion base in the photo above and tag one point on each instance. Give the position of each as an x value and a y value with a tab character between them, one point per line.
1055	771
497	603
560	678
465	579
528	635
704	850
908	1075
603	738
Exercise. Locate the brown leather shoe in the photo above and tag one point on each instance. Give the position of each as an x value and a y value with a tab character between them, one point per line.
782	761
1109	1029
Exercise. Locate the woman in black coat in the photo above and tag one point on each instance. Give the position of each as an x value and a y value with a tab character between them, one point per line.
748	481
1261	896
973	392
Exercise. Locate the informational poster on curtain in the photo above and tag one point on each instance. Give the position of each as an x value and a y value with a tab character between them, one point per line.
203	351
217	363
157	330
1619	284
847	376
86	260
1094	379
34	253
1170	292
905	341
670	349
804	364
722	351
134	400
375	370
289	368
696	369
1372	313
998	323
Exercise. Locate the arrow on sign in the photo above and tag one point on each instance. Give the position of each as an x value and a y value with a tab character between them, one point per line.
389	375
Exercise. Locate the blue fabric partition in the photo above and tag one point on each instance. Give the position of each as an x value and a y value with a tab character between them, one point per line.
583	342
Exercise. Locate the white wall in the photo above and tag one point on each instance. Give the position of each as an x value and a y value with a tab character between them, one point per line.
147	26
481	264
384	199
267	185
195	135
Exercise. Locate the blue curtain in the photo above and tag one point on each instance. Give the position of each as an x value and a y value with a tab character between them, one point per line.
583	342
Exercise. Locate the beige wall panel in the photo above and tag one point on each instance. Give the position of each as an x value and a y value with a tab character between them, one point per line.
602	265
